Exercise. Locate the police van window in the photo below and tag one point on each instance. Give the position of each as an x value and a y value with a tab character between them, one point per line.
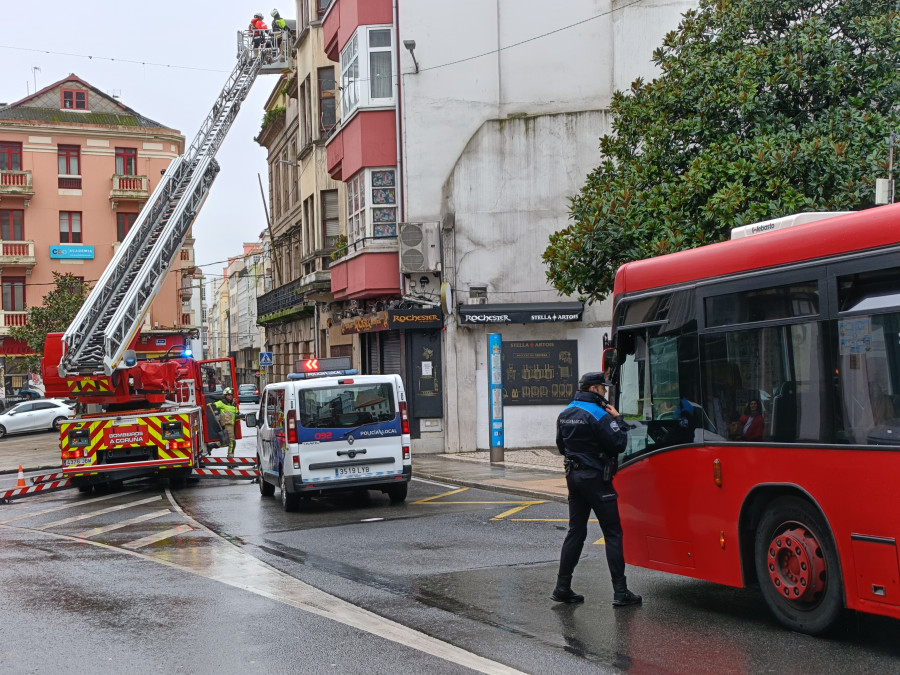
346	406
270	409
762	304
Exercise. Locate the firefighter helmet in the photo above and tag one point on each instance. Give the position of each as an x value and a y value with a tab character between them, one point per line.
227	390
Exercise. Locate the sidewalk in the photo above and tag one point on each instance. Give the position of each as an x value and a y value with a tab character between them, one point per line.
535	473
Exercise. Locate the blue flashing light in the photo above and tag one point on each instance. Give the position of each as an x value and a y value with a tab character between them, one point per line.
188	352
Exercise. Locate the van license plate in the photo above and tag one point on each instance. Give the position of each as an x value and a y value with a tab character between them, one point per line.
350	471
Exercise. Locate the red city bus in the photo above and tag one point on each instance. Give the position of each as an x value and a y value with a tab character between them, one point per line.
800	494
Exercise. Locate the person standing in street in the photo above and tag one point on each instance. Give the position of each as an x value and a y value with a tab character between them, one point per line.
228	416
590	433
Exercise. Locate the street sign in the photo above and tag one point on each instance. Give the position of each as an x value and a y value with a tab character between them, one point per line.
265	359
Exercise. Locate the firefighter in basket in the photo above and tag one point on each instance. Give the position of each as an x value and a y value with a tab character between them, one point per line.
228	415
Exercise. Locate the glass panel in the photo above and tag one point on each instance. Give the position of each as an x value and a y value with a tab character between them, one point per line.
774	373
869	379
380	37
380	75
869	291
384	196
383	178
348	406
764	304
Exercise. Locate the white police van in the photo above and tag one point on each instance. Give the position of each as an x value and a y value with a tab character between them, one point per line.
333	430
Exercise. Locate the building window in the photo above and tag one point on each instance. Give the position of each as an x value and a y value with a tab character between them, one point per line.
69	159
14	294
372	204
350	75
126	161
306	125
124	221
11	156
70	227
323	7
74	99
380	59
12	225
330	218
327	113
369	51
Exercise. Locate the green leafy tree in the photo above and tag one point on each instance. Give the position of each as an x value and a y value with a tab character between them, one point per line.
59	307
762	108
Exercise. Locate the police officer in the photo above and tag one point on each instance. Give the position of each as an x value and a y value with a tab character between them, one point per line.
591	434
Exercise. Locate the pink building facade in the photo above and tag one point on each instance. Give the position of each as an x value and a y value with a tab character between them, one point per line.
76	167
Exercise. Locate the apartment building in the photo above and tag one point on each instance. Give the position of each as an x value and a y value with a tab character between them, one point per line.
76	166
306	204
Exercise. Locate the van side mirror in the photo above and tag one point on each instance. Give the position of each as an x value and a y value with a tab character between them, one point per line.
250	420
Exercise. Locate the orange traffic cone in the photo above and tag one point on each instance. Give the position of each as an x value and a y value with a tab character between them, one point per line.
21	482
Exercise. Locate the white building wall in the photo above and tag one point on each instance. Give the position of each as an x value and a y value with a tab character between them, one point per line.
499	129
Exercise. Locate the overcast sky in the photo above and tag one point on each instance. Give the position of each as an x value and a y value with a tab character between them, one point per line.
168	61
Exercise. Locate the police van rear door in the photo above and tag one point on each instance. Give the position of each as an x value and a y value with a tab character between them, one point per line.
349	429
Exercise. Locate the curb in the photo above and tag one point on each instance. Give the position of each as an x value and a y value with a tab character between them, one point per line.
519	492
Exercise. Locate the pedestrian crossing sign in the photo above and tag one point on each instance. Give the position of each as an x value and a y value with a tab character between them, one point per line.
265	359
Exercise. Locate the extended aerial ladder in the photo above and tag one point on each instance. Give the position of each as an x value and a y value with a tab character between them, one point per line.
96	341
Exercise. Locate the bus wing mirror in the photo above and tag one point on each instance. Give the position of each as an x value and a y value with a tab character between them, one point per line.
609	360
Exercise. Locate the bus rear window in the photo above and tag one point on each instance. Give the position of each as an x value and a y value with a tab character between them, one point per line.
763	304
348	406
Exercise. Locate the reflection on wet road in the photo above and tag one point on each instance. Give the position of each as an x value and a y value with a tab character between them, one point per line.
183	543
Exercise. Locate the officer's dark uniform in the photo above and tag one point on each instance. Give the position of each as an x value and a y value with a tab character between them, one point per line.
591	440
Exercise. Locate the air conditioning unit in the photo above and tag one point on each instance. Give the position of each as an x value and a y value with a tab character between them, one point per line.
419	247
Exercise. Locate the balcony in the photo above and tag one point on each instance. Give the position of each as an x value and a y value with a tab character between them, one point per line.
134	188
294	300
12	318
16	184
17	253
371	269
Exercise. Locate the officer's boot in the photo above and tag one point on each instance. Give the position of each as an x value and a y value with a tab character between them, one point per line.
563	591
622	597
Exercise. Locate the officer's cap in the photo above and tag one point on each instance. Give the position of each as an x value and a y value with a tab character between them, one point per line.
590	379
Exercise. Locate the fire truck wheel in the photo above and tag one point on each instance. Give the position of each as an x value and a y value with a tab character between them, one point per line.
84	489
289	500
57	422
797	566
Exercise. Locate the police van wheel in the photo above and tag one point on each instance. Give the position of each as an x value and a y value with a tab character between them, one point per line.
265	489
397	493
289	500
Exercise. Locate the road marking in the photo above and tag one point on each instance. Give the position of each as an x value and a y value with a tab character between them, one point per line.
85	516
522	506
124	523
68	506
445	494
600	542
433	482
159	536
229	565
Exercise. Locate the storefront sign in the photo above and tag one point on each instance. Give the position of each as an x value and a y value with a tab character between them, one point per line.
69	252
393	319
540	372
536	312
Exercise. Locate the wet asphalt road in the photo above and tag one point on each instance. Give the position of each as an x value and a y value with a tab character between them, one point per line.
83	587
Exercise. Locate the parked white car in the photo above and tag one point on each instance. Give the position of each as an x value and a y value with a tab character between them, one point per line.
44	413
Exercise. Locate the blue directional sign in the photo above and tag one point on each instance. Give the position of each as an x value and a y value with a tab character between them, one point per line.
265	359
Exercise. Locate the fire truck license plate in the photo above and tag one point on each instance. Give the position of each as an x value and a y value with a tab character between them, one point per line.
351	471
78	460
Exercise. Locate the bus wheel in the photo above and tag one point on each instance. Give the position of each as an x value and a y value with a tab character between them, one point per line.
797	566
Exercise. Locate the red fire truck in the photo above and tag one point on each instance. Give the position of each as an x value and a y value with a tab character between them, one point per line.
142	416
